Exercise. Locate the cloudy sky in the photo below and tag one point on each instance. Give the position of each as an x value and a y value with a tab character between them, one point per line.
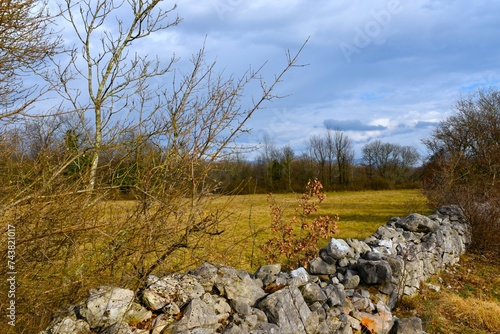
378	69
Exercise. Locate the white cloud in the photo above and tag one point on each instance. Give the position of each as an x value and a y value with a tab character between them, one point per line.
415	62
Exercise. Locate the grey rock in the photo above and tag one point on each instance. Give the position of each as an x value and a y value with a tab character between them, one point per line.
270	269
323	254
358	246
197	315
323	328
196	331
386	232
351	280
318	266
333	321
300	277
376	323
343	262
106	306
270	275
178	289
354	323
418	223
70	325
117	328
334	298
338	248
240	307
237	284
266	328
261	315
362	303
160	323
374	272
235	329
312	323
245	322
407	326
287	309
206	275
318	308
220	306
335	294
312	293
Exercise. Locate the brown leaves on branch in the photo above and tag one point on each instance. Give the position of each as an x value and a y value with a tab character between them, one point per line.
296	240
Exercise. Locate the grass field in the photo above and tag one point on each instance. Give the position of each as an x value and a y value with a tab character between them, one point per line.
470	304
360	214
469	300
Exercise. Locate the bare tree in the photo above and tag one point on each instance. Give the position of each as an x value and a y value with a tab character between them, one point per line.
344	156
270	157
288	156
26	42
318	150
465	163
160	140
103	59
332	150
390	162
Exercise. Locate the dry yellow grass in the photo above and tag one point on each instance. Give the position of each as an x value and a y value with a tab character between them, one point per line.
472	312
468	308
469	300
361	213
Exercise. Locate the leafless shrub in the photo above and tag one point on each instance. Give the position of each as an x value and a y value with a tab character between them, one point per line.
465	164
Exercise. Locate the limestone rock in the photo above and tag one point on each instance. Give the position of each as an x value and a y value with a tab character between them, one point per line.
312	293
117	328
358	246
270	269
178	289
299	276
160	323
197	315
318	266
374	272
378	323
351	280
287	309
418	223
237	284
338	248
323	254
411	325
266	328
70	325
335	296
106	306
206	275
220	306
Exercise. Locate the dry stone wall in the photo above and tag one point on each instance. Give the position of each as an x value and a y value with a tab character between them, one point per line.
350	287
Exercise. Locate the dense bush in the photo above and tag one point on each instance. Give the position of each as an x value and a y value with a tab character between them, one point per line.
465	164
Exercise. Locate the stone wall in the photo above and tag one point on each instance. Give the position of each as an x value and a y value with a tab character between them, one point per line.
350	287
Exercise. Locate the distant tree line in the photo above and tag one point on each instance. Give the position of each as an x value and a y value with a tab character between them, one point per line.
132	164
330	158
